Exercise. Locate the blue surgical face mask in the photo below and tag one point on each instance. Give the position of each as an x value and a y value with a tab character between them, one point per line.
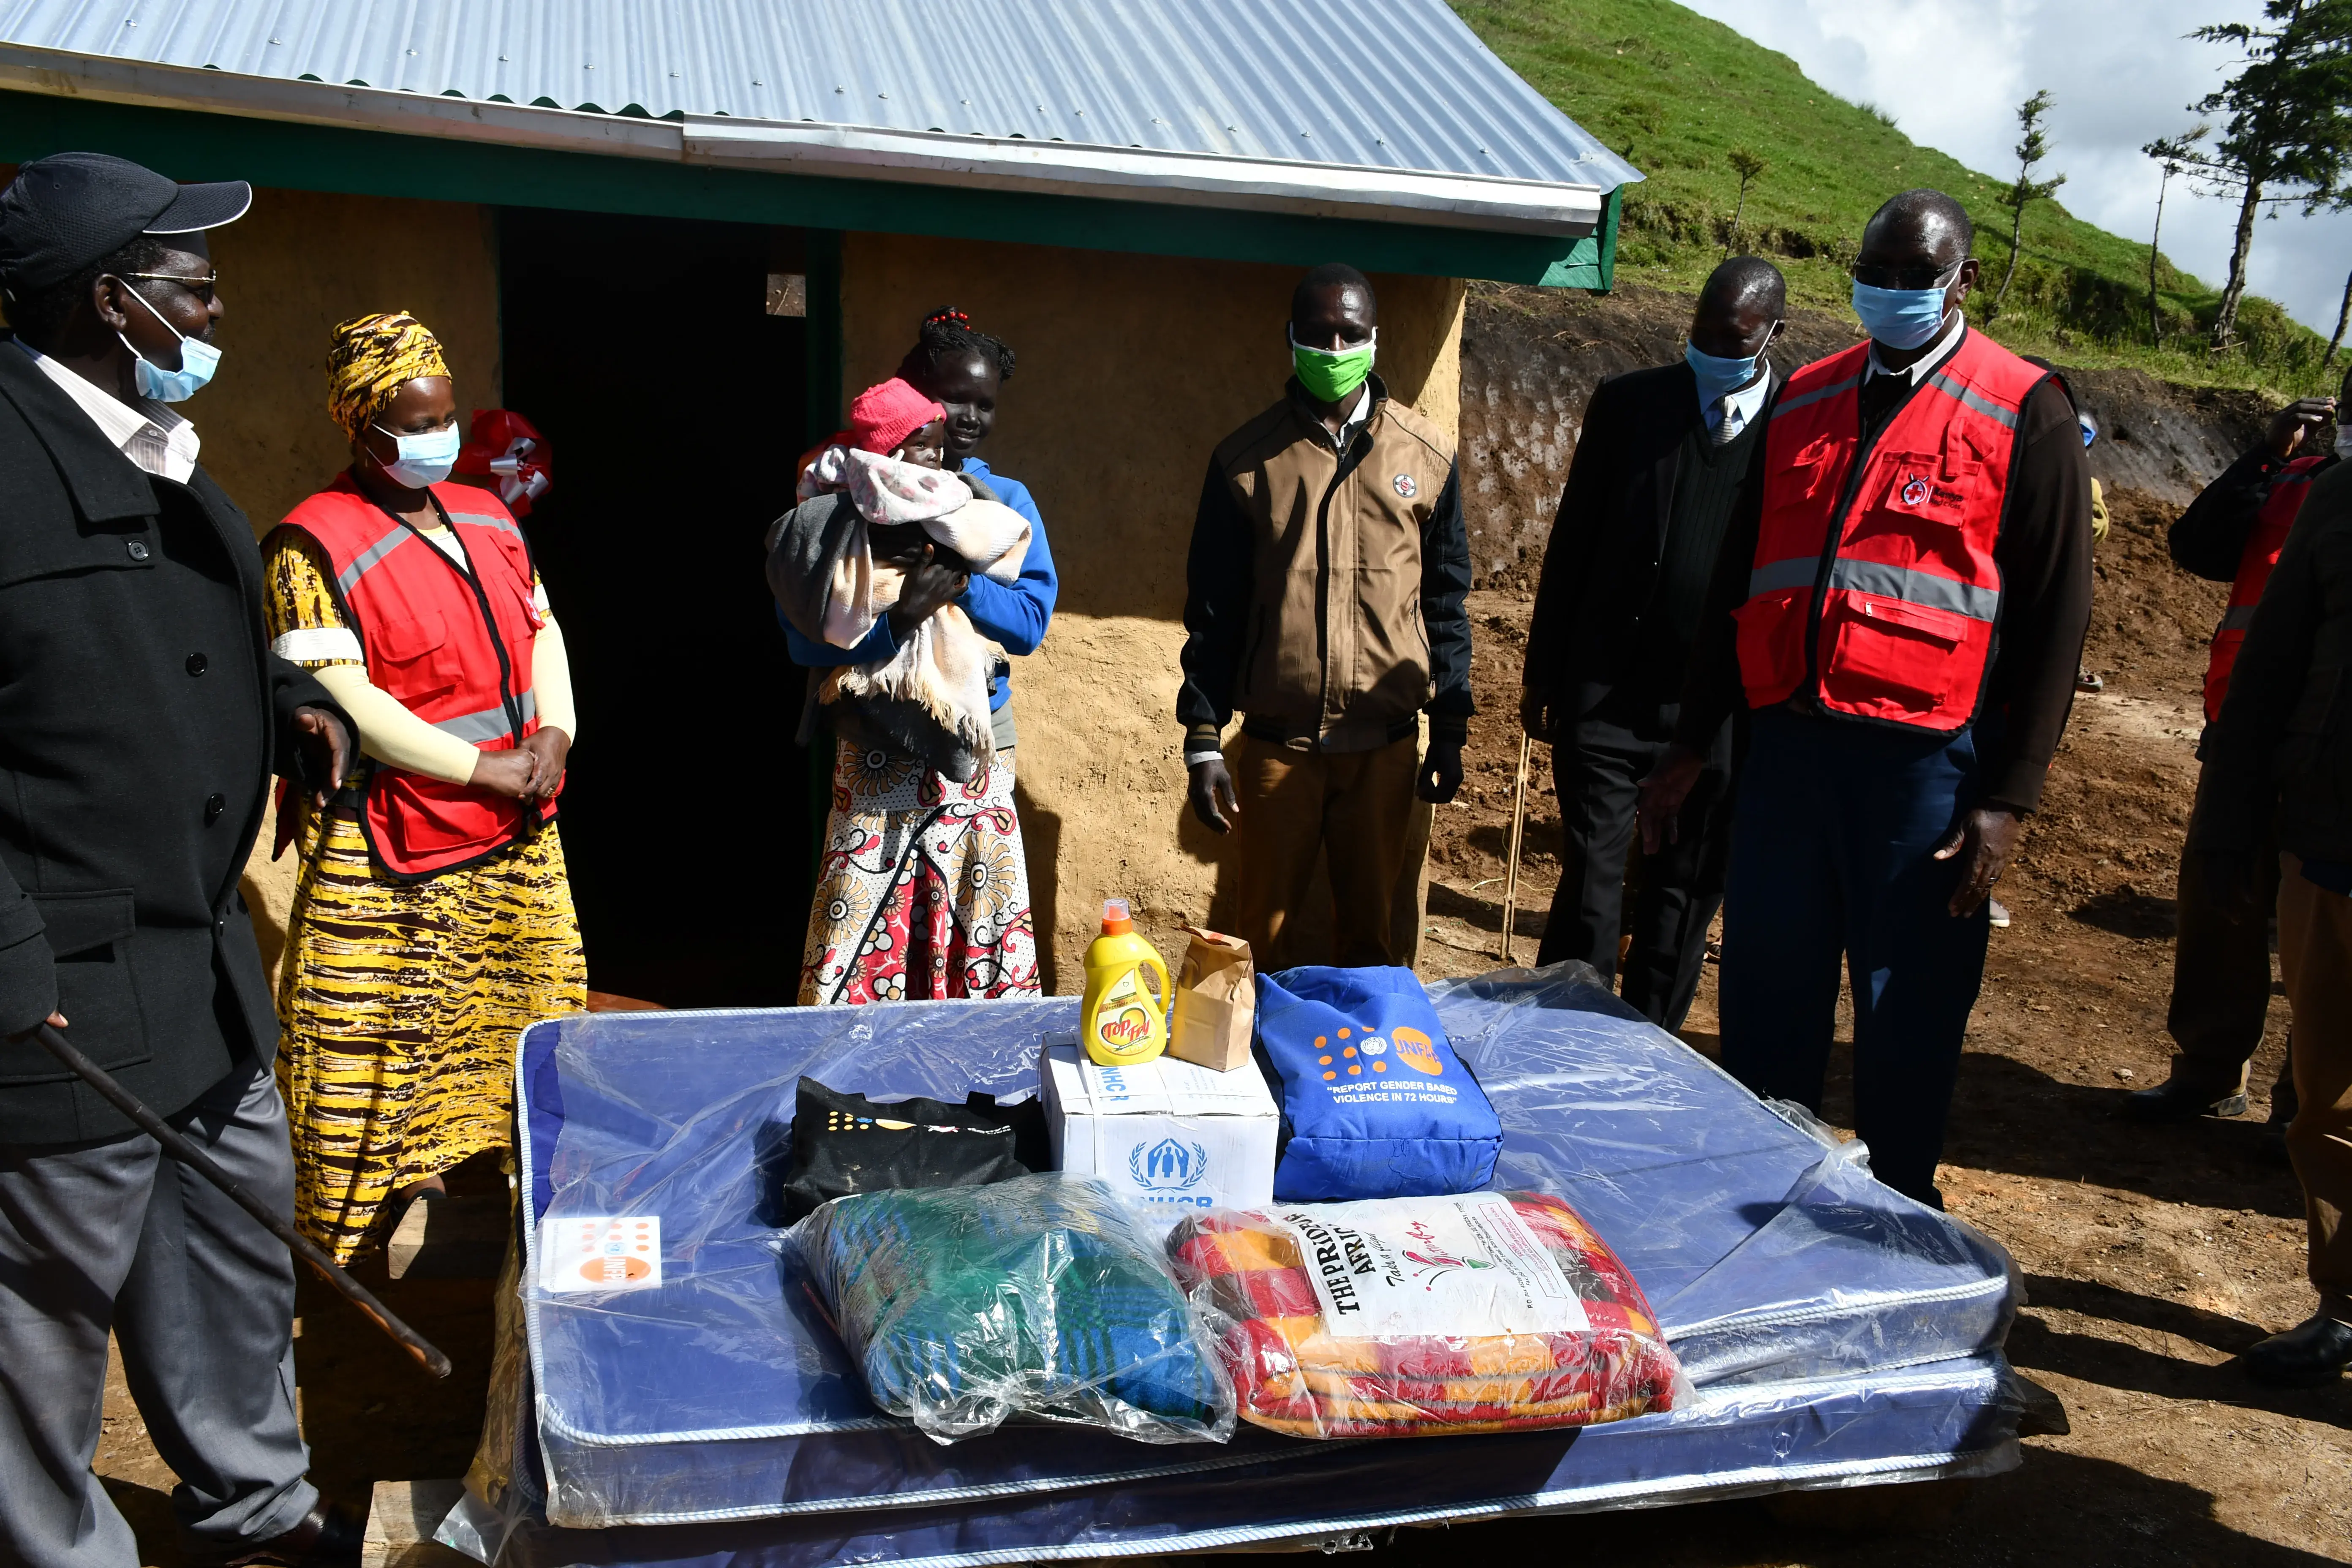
1718	376
198	360
423	459
1901	318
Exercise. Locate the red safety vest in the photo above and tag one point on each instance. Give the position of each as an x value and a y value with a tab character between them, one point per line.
2263	543
1874	590
453	649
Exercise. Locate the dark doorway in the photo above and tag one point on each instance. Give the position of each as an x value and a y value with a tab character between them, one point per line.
645	350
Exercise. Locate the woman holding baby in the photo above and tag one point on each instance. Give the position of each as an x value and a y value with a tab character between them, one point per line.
905	577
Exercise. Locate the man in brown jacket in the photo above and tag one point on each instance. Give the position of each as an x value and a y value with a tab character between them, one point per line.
1326	583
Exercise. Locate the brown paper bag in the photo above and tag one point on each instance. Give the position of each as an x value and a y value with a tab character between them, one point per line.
1216	1003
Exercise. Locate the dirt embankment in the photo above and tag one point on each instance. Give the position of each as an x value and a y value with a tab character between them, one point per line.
1531	357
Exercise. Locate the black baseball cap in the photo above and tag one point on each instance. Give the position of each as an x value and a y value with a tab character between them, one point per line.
62	213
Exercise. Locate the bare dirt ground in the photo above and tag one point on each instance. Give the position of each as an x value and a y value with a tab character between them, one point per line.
2152	1257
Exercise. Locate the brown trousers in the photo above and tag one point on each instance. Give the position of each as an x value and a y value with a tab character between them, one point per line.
1355	806
2316	950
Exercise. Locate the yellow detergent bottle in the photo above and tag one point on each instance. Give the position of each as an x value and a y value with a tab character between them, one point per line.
1124	1024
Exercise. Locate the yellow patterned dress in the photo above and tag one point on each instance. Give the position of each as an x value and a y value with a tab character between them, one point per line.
400	1003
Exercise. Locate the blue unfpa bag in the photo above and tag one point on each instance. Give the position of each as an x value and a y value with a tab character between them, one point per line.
1375	1104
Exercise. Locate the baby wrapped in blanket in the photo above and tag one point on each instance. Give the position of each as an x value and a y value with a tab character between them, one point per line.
838	563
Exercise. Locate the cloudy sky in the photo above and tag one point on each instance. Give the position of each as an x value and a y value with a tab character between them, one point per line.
1953	72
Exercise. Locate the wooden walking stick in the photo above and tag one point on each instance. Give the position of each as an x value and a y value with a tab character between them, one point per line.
1511	872
204	1165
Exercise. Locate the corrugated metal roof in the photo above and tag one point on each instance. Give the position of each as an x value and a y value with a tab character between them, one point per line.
1380	84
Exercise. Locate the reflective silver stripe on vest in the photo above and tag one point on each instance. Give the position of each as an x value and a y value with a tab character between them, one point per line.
1971	398
489	724
1970	599
365	561
1789	404
1796	571
2237	618
486	519
1874	578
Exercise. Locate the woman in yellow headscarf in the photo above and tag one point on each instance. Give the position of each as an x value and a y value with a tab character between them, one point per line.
431	918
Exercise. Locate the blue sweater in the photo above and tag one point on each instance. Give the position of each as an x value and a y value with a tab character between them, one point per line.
1011	614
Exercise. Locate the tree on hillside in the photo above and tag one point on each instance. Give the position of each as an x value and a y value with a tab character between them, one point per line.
2172	153
2343	315
1748	167
2288	137
2022	193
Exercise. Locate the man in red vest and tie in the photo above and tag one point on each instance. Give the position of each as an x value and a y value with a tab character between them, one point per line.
2232	532
1899	606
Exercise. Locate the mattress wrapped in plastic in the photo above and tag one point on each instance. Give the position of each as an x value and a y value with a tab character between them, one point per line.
1040	1298
1419	1317
1833	1331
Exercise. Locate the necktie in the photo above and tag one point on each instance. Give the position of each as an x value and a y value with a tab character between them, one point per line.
1721	431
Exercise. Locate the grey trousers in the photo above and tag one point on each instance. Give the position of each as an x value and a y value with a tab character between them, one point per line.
114	1235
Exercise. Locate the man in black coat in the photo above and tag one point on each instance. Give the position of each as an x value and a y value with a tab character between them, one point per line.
2232	532
1658	466
141	715
2275	811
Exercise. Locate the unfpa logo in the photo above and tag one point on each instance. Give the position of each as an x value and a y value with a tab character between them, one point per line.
1419	1051
1167	1166
1356	1052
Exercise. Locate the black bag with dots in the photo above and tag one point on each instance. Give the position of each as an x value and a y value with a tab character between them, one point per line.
845	1144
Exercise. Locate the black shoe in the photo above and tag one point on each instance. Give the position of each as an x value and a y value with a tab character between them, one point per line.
2306	1356
2275	1128
2175	1100
329	1536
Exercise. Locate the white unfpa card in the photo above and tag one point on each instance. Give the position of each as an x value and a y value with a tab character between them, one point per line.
600	1252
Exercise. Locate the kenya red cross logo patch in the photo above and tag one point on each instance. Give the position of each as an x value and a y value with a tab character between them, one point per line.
1916	491
1405	487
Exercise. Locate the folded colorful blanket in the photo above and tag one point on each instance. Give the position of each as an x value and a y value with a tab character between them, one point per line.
1041	1297
1410	1317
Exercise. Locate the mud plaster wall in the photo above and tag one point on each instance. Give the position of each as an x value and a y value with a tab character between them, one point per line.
290	268
1131	369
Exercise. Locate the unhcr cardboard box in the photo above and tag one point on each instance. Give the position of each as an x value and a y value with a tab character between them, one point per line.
1167	1135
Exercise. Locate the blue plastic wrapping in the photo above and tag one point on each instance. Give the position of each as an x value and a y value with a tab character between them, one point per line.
1042	1297
1834	1331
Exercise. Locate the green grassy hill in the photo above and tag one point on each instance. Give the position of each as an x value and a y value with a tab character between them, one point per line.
1677	94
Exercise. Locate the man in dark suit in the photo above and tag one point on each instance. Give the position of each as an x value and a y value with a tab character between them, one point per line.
1658	466
141	715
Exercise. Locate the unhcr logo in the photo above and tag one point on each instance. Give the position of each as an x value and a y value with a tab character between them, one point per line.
1168	1165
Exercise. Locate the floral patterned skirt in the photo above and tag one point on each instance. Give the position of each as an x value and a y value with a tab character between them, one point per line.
922	893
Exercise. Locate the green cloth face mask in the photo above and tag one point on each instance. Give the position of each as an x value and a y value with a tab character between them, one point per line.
1327	376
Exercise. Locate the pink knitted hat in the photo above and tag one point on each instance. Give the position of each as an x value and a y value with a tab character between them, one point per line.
881	417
